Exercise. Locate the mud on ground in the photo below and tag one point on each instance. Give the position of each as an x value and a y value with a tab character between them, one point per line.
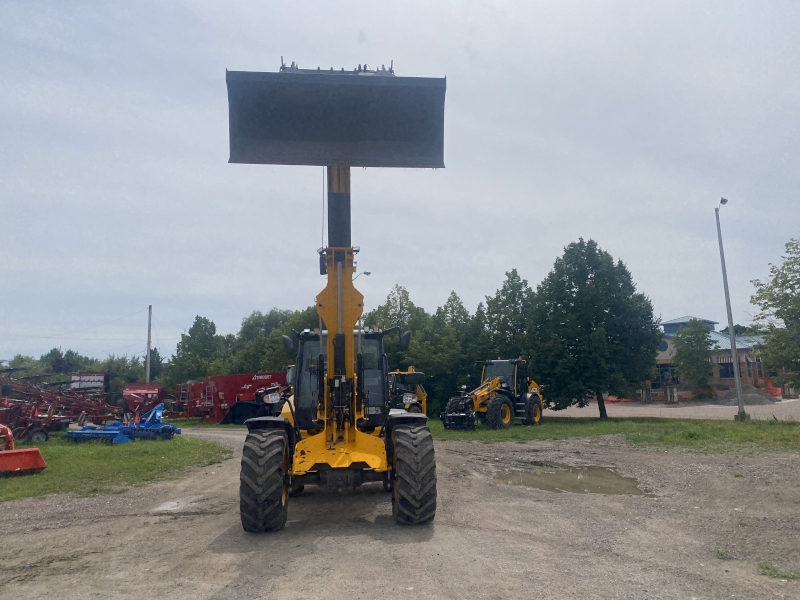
182	539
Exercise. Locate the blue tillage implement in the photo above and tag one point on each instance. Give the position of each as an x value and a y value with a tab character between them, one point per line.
150	427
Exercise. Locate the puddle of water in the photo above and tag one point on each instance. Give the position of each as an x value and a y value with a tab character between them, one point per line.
554	477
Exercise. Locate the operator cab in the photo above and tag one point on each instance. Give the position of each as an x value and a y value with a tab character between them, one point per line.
511	372
307	389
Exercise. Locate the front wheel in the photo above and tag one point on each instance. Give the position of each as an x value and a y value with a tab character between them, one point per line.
414	475
263	491
499	413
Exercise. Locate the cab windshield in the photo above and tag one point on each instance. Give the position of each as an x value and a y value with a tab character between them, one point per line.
499	368
306	391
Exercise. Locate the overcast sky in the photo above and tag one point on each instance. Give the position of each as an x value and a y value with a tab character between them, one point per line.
619	121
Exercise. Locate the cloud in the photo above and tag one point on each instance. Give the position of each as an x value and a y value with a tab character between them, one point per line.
620	121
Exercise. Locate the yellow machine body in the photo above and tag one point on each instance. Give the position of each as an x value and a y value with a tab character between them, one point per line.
498	400
417	389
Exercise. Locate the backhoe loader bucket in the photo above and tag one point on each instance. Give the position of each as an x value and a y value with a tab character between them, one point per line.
17	462
336	118
21	462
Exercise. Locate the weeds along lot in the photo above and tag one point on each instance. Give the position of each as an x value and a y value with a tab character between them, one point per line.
92	468
705	435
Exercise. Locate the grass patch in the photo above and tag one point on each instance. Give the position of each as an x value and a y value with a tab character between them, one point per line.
722	554
777	572
698	434
95	468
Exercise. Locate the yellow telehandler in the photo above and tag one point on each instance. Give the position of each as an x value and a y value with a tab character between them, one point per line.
337	430
505	393
406	391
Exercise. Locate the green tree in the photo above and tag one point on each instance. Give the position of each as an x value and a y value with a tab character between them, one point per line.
195	352
397	311
778	301
692	360
121	370
591	331
259	324
66	362
436	351
739	330
274	357
156	364
506	316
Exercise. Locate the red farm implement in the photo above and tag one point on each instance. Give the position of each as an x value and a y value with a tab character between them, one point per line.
213	397
32	411
17	462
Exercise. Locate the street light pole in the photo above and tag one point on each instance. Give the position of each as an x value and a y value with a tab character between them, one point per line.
742	416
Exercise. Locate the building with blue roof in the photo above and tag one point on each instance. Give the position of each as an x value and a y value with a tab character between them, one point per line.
750	369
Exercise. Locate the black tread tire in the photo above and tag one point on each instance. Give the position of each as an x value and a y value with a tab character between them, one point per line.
18	433
263	492
37	435
414	475
493	418
296	491
529	418
415	408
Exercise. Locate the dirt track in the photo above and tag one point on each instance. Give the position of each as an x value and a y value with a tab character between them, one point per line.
182	539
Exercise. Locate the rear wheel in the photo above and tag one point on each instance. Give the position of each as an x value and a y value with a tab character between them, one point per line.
263	492
534	416
414	480
499	413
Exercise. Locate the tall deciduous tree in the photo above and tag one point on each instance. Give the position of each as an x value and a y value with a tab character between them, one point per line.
779	303
198	348
693	348
591	331
506	316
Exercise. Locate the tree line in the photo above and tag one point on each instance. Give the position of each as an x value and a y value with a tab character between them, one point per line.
585	330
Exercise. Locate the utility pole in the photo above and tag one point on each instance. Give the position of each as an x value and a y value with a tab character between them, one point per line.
149	327
742	416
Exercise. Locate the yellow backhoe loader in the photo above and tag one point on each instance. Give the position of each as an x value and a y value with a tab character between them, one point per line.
338	430
505	393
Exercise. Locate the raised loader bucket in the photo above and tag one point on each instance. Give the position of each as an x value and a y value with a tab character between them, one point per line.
21	462
364	119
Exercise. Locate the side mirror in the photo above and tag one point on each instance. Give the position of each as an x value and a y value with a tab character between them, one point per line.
405	340
288	345
415	378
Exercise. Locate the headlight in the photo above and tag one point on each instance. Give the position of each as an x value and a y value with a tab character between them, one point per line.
273	398
409	398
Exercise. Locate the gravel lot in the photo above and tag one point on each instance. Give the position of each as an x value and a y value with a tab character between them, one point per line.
182	538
